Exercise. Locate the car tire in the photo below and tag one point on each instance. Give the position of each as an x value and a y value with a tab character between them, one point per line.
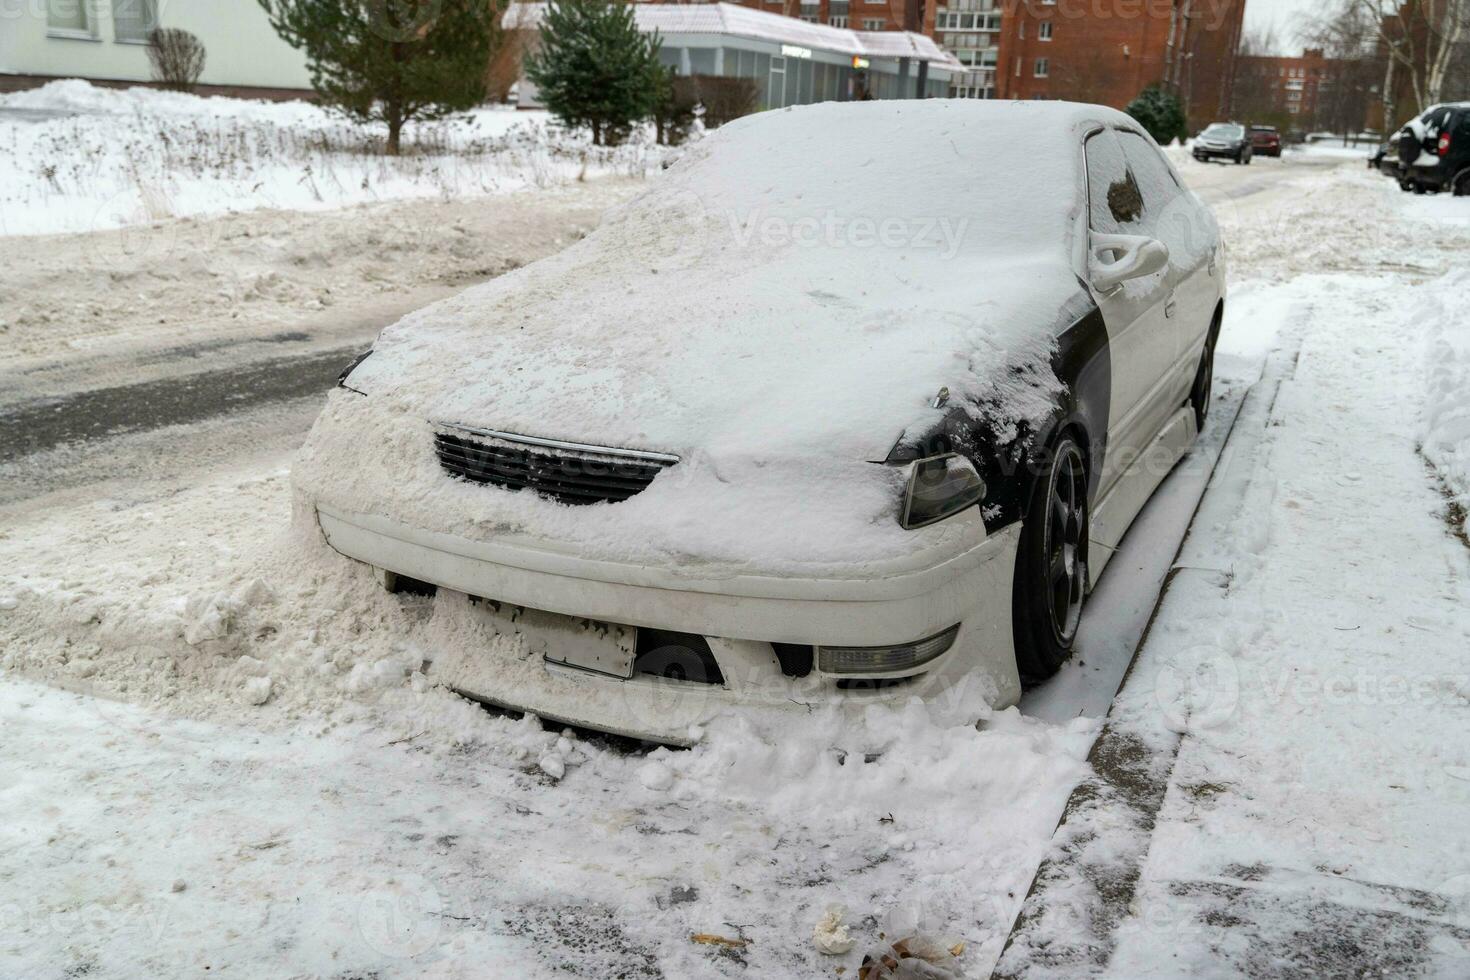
1419	188
1204	379
1051	564
1462	185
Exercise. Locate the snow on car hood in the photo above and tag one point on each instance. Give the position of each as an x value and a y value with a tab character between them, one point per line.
800	282
775	310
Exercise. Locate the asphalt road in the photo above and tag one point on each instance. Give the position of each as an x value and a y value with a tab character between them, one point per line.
103	413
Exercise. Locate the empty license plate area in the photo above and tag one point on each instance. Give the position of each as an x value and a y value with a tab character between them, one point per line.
569	641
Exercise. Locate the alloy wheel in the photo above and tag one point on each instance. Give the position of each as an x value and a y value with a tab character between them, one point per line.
1065	543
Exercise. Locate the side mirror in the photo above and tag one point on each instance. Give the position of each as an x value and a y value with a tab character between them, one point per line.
1114	259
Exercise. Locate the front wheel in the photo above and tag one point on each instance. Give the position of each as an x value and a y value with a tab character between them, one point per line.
1051	566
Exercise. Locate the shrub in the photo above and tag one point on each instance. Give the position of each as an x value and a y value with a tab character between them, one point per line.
674	112
725	98
177	58
1160	112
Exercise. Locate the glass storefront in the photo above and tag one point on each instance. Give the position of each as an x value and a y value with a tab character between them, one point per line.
787	81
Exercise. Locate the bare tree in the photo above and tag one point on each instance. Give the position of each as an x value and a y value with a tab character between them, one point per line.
1421	44
177	58
1349	42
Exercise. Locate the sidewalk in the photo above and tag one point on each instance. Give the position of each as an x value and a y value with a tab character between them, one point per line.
1282	784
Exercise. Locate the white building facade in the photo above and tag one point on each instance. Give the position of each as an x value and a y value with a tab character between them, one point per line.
105	41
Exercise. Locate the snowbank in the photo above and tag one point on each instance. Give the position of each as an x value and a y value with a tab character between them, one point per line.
111	158
1446	430
198	618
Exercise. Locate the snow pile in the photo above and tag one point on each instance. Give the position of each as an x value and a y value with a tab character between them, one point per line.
1446	432
778	333
112	158
200	618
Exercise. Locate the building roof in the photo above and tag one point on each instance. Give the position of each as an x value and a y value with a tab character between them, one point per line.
729	18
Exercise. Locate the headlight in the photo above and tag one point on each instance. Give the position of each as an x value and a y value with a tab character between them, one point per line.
938	487
342	378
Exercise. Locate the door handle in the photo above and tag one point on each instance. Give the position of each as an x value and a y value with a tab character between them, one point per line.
1169	308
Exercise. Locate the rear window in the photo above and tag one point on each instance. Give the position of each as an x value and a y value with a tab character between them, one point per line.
1263	129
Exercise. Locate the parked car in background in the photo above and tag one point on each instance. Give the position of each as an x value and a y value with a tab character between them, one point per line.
685	482
1266	141
1434	150
1223	141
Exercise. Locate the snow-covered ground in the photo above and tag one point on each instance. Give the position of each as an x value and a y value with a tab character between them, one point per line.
222	748
78	158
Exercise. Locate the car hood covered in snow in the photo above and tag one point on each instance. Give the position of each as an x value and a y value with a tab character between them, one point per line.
801	281
787	298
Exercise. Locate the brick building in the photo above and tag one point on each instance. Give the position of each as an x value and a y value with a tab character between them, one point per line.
1289	87
1102	51
1107	51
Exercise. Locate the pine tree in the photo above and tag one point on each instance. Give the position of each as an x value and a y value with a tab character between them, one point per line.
392	61
1159	111
594	68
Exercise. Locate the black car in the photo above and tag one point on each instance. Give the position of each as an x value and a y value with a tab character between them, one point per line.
1227	141
1434	151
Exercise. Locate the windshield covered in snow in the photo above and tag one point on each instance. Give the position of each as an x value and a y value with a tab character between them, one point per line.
1223	131
933	181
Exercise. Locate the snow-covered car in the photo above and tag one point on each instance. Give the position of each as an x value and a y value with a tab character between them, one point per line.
852	404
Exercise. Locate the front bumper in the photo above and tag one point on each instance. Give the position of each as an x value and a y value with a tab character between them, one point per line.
1213	153
740	615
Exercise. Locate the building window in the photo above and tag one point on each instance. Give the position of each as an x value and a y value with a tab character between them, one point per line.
1042	67
1043	30
874	25
133	20
69	18
838	20
1021	30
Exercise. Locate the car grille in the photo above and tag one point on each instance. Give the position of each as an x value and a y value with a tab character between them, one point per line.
568	472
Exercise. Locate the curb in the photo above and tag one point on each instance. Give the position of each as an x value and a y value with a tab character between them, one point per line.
1081	893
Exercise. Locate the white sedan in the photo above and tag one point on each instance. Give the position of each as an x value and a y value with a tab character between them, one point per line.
852	404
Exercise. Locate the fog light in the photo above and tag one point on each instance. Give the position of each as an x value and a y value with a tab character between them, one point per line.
884	660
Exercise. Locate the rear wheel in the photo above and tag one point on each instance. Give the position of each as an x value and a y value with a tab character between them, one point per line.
1204	381
1051	566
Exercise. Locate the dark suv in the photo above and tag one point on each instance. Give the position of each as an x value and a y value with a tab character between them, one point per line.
1434	150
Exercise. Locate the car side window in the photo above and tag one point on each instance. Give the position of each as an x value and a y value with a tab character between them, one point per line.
1155	180
1114	202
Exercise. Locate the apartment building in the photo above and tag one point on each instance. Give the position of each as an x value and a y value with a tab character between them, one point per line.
1107	51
